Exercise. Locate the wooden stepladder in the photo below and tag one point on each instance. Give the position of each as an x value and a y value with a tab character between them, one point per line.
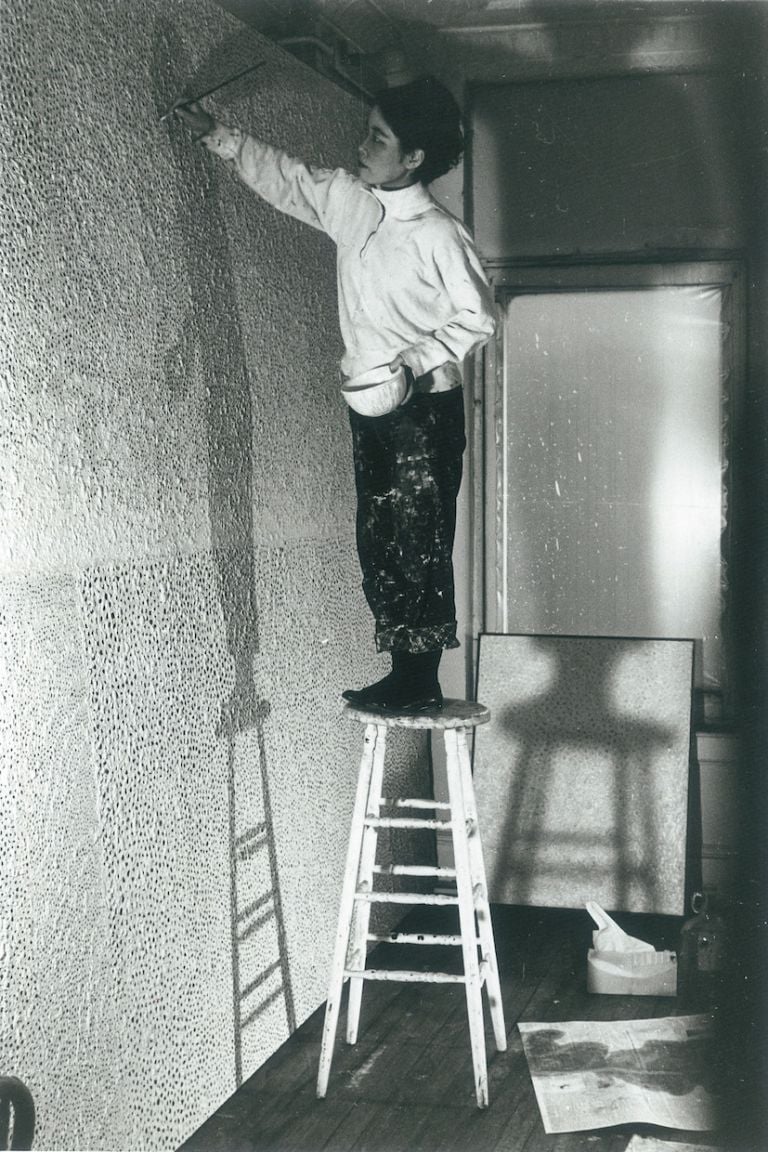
358	893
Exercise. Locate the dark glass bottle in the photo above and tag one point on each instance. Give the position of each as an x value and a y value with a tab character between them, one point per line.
702	957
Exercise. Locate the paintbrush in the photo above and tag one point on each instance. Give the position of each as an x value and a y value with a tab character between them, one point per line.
210	91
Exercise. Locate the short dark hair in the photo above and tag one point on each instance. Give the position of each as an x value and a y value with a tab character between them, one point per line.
423	114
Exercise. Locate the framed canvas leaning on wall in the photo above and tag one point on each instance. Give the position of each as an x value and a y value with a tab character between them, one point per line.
582	774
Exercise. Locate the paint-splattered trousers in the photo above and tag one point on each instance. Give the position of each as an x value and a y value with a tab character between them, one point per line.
407	472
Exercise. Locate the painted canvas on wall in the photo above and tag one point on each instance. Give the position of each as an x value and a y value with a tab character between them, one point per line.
582	773
180	597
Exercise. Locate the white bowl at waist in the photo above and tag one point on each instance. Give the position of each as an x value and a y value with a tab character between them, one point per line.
377	391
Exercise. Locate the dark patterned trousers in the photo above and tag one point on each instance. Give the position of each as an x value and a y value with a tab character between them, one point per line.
407	473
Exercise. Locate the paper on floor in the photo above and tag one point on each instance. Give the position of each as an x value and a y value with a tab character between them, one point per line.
593	1074
651	1144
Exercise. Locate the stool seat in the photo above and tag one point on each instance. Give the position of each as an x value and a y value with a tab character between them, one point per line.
359	891
453	714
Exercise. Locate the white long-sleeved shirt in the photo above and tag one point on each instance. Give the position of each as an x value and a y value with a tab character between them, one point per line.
410	282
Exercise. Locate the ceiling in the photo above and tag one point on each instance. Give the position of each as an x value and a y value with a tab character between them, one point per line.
366	44
374	24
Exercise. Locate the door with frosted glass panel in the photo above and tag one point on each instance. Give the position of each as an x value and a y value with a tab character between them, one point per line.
610	400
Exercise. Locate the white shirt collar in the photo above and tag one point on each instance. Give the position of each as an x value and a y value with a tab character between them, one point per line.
404	203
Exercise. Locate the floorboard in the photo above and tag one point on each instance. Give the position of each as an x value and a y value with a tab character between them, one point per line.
407	1085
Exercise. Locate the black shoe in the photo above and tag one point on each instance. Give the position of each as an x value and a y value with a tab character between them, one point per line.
397	697
411	685
413	706
363	696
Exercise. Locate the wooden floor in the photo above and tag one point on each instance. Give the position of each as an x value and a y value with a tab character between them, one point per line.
407	1084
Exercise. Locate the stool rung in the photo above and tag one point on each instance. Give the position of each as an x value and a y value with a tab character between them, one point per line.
415	938
438	805
403	822
404	898
407	977
412	870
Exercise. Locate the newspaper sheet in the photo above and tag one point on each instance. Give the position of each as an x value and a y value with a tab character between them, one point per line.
592	1074
651	1144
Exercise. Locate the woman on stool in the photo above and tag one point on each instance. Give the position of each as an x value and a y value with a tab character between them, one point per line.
412	296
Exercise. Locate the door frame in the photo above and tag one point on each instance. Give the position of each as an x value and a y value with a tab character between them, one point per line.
509	279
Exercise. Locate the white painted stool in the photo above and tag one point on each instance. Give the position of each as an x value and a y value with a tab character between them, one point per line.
357	894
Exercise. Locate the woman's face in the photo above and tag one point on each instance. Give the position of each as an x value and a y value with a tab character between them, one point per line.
382	161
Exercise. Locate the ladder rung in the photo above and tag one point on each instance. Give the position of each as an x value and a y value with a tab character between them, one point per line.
403	822
416	938
251	834
407	977
438	805
251	846
260	979
254	906
412	870
404	898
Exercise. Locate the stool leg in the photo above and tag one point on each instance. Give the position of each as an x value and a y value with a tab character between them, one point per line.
480	887
467	918
362	912
336	980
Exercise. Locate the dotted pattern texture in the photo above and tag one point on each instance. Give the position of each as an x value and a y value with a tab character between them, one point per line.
582	772
180	598
59	1023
